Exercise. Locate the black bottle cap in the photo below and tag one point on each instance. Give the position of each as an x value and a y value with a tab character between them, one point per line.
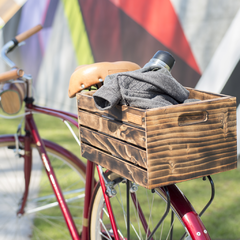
166	57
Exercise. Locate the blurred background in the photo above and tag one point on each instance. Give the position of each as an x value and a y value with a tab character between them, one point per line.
203	36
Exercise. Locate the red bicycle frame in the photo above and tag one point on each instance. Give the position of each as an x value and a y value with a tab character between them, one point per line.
178	200
32	131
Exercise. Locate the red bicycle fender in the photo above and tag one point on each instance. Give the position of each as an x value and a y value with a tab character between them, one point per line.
195	226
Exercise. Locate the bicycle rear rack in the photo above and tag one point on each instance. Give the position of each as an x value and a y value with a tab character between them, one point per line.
164	215
209	202
110	186
212	195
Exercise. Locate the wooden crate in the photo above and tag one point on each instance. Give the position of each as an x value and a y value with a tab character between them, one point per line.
161	146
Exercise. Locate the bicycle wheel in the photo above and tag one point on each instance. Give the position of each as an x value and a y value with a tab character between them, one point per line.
152	204
42	218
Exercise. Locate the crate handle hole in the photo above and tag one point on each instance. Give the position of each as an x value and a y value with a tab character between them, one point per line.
192	118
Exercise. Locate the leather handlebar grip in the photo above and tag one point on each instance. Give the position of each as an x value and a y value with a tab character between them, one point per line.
12	74
22	36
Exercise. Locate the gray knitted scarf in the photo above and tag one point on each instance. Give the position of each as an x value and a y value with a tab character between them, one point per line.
142	88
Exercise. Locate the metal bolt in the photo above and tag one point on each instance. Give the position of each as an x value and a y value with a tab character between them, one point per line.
100	80
111	192
205	231
114	192
124	180
134	187
82	86
198	234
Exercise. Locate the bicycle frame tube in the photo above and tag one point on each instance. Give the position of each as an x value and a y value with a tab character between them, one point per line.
108	205
90	183
55	113
178	200
27	170
30	124
88	194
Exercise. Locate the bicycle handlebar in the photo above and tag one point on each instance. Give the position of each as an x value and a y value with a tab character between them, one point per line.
9	46
16	72
22	36
12	74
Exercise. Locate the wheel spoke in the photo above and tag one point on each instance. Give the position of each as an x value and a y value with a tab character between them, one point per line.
147	209
53	204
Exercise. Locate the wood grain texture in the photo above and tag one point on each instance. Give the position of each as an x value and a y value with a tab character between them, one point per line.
218	121
211	104
201	95
118	166
176	178
173	117
180	162
10	102
114	147
188	148
113	128
191	140
121	113
182	142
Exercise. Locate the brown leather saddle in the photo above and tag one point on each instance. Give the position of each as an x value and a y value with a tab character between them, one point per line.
86	76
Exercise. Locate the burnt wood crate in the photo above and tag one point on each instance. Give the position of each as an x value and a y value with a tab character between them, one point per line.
161	146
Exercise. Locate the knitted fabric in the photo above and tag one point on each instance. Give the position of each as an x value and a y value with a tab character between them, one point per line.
142	88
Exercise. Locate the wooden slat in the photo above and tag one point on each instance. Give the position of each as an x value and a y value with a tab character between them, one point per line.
172	120
188	139
194	168
190	134
189	147
171	179
202	130
118	166
189	157
169	118
193	160
114	147
196	94
205	105
113	128
121	113
174	123
183	142
192	125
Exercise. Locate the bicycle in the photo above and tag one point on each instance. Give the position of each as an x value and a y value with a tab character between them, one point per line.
88	210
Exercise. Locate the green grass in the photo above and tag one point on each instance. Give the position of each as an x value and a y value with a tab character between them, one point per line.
223	216
49	128
68	180
222	219
55	130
